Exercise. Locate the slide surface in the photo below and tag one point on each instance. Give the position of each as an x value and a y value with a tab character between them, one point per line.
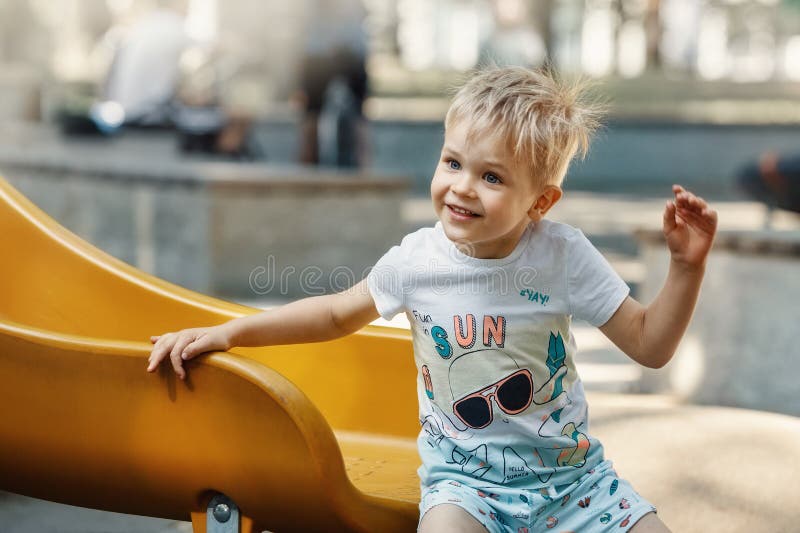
316	437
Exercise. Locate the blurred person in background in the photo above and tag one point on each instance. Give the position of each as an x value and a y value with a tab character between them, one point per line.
774	180
514	41
204	124
333	84
144	74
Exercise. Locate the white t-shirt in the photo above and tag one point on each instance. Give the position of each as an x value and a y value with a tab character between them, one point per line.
500	399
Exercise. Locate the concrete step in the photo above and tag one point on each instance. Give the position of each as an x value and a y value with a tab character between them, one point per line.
20	514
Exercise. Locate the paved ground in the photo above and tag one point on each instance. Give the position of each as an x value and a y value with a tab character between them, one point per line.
707	469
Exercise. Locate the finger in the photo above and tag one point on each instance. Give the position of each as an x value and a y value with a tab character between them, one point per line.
690	205
156	356
698	203
704	212
698	221
669	217
181	344
200	345
680	222
175	354
154	338
711	219
705	222
677	188
683	196
177	366
690	202
162	348
159	351
689	215
163	338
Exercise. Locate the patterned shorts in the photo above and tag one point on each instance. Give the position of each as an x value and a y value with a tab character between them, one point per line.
597	501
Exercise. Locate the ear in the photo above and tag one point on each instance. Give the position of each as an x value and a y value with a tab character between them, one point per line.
547	198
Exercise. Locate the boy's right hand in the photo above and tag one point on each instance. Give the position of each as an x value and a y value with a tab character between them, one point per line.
186	344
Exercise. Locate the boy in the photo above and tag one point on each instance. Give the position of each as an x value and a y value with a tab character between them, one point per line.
490	293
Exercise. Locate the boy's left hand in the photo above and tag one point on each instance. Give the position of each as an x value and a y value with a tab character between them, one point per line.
689	227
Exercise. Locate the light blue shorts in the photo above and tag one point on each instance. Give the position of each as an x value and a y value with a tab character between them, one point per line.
597	501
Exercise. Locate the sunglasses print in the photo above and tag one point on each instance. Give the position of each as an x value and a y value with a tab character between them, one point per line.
512	394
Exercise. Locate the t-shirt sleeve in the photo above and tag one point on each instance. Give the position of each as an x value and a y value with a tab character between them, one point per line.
386	282
595	290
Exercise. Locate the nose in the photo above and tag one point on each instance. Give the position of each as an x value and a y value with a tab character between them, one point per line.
462	185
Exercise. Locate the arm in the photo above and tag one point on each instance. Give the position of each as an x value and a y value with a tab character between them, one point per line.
315	319
650	335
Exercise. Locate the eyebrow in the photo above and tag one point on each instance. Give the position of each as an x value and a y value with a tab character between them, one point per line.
494	164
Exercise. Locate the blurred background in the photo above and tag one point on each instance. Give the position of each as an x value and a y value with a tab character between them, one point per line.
261	151
694	78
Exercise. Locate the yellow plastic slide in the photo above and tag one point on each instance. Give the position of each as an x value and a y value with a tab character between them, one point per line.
316	437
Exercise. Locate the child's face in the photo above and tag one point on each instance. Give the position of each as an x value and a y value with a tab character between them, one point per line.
481	177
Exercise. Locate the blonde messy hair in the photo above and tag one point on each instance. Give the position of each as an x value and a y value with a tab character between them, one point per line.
544	120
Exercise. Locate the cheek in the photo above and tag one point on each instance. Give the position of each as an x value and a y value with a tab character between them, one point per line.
438	186
497	203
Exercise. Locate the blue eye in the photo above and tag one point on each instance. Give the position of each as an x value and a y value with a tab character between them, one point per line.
491	178
454	165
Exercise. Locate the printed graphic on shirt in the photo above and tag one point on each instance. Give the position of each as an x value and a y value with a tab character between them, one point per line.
515	467
493	333
535	296
511	392
426	376
488	386
556	354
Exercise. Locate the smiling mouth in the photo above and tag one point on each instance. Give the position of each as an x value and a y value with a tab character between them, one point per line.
461	211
